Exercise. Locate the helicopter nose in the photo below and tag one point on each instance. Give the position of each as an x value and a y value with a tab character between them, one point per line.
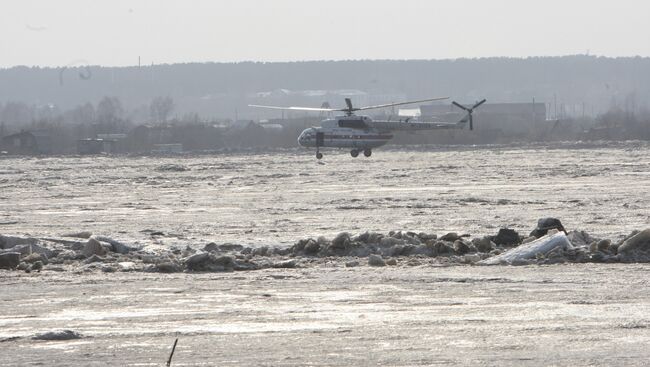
303	138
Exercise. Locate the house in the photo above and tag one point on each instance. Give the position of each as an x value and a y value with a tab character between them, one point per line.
167	148
96	146
28	142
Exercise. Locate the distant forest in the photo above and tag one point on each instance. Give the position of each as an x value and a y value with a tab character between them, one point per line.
572	84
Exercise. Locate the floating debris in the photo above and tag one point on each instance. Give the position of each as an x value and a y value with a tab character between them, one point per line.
532	250
58	335
171	167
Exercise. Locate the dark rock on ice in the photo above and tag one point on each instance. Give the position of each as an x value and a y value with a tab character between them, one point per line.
369	238
108	268
93	247
545	224
484	244
636	247
424	237
450	237
603	245
598	257
9	260
168	267
34	257
261	251
211	247
287	264
300	245
441	248
425	250
230	247
460	247
363	237
37	266
391	262
26	249
7	242
199	261
341	241
376	260
206	261
116	246
281	251
391	241
58	335
399	250
311	247
351	264
506	237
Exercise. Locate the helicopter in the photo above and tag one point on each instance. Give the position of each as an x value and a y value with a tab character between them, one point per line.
360	133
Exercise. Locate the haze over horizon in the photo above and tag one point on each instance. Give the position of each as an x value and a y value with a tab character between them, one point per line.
119	33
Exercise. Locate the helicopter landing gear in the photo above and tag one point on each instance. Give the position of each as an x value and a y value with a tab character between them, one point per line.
354	153
367	152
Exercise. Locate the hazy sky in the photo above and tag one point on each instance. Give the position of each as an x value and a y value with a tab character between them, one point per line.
68	32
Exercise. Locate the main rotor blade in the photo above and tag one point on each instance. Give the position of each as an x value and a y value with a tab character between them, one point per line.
460	106
471	122
479	103
298	108
397	104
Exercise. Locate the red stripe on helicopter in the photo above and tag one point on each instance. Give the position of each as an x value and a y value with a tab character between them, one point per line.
358	137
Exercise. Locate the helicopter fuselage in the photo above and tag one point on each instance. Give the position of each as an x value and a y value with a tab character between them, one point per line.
351	132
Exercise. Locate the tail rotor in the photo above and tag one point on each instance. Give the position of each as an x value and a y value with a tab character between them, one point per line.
469	111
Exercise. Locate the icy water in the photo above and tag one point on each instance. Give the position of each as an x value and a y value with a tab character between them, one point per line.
558	315
277	198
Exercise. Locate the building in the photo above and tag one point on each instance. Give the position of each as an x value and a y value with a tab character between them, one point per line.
28	142
168	148
96	146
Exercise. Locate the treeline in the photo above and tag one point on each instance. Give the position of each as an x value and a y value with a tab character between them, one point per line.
109	119
572	84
